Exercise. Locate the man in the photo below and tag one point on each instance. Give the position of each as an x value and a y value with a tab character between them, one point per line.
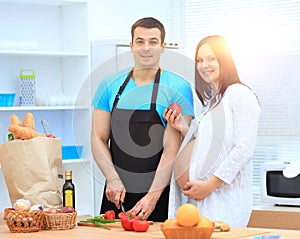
131	143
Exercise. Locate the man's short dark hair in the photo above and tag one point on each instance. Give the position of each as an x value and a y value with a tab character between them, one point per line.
149	22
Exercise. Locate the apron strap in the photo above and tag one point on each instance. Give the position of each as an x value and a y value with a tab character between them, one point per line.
154	92
122	87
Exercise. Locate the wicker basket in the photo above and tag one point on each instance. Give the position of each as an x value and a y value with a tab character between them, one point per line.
59	221
187	232
23	221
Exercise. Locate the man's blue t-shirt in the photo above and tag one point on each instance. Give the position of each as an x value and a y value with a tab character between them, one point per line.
172	88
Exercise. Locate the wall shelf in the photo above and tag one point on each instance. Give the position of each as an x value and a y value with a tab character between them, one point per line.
41	108
77	161
36	53
46	2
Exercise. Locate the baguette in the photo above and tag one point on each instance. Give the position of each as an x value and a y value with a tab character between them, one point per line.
23	132
14	120
28	121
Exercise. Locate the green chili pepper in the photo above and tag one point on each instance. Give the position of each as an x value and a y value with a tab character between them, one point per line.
100	221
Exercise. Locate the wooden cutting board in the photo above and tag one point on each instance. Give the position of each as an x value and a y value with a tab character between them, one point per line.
110	225
238	233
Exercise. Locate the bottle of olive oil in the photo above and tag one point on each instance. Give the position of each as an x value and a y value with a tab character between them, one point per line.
68	190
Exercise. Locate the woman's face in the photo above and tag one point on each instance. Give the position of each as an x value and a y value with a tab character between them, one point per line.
208	66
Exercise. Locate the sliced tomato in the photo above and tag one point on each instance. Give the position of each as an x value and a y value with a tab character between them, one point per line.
110	215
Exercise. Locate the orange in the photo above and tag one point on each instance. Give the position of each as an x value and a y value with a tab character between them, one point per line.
187	215
170	223
205	222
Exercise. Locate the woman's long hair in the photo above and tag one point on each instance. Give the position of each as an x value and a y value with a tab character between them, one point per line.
228	71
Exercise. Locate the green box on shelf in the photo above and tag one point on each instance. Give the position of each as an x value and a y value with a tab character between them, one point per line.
71	152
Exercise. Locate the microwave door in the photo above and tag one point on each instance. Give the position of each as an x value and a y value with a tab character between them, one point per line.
280	186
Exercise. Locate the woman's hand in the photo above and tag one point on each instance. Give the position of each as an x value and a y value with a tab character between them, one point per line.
177	121
198	190
115	191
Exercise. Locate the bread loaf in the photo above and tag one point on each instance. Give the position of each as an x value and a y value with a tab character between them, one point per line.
23	132
28	121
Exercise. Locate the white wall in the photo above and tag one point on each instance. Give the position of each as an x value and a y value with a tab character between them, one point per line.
113	19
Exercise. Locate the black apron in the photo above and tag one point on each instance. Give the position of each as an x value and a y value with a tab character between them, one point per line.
136	145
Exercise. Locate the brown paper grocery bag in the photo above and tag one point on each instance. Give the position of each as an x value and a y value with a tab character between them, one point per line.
32	169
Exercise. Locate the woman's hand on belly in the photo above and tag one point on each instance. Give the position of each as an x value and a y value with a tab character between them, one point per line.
198	189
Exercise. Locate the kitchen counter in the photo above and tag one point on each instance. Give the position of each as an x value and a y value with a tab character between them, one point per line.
116	231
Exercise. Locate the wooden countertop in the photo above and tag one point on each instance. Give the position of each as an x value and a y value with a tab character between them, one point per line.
116	231
280	217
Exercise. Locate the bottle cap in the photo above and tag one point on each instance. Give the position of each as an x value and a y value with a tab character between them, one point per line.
68	173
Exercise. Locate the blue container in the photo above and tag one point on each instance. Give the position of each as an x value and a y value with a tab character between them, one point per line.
7	99
71	152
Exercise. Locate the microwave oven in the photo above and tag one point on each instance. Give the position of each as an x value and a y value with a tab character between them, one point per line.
280	183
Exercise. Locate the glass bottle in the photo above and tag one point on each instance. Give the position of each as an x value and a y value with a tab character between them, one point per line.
68	190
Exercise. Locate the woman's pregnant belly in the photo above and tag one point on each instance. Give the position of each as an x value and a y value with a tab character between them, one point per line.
182	164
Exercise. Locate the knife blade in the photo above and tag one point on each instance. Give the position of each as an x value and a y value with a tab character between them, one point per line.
122	207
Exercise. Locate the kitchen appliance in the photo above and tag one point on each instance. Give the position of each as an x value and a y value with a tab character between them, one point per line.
280	183
27	88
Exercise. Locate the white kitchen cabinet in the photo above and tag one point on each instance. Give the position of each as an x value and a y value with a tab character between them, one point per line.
50	37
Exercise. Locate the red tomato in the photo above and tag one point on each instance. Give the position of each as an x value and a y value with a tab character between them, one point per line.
175	106
110	215
140	225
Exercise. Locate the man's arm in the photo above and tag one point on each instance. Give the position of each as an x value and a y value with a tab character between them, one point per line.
100	136
101	153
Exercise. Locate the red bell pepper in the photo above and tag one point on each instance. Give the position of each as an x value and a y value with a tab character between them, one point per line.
140	225
127	221
124	214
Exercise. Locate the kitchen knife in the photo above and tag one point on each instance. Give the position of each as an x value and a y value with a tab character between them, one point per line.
122	207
